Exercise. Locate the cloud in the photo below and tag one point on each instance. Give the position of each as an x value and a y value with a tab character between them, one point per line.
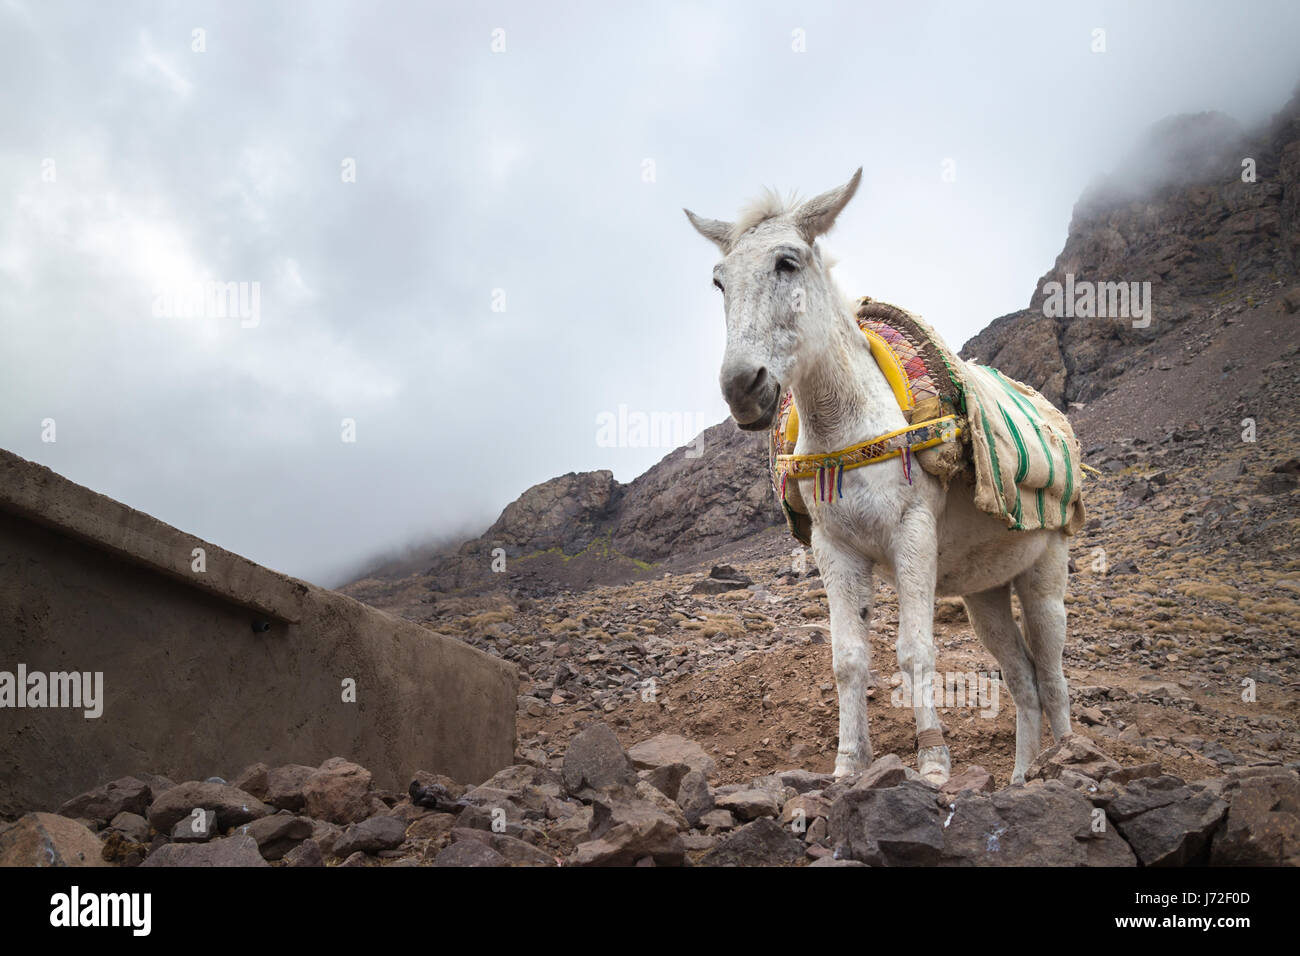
524	172
152	65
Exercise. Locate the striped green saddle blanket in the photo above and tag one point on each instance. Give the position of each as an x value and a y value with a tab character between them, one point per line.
1026	456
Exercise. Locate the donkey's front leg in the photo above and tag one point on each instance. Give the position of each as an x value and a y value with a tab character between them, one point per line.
915	565
849	588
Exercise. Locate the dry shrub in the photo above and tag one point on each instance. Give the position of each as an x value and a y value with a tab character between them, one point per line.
1204	591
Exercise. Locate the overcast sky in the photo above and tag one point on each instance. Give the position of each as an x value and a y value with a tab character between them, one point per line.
542	168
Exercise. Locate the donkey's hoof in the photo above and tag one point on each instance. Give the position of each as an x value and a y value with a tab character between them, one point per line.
847	766
935	773
935	765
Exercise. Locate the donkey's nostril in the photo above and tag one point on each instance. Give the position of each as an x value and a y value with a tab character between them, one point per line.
743	387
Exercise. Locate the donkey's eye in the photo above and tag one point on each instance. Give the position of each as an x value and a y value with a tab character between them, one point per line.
787	264
719	285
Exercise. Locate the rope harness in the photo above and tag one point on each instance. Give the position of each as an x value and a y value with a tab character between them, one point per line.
829	468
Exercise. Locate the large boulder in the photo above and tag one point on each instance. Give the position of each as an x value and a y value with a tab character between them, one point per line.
1176	833
652	837
694	796
124	795
1038	825
526	785
1143	795
890	826
238	850
1263	822
750	804
512	849
252	779
974	778
764	842
132	827
622	805
277	835
596	760
231	805
47	839
665	749
470	853
371	836
285	786
886	771
338	791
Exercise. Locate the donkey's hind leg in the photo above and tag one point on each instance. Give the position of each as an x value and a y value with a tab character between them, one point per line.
990	614
1042	598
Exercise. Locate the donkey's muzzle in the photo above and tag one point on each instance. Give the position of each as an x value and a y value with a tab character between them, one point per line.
752	395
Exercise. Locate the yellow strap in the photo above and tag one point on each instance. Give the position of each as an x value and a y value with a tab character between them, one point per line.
791	461
800	459
887	359
919	446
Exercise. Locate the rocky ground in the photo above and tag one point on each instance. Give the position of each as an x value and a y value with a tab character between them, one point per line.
658	804
1184	597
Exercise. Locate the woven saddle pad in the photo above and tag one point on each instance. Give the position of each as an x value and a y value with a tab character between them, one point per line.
1032	437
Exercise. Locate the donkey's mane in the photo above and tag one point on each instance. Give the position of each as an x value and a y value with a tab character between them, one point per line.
770	205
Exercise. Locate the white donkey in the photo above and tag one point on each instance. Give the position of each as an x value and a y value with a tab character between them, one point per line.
788	325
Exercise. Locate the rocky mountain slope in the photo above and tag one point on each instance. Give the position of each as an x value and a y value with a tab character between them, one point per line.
1175	213
579	529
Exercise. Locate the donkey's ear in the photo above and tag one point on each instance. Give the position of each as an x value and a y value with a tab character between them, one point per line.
715	230
818	214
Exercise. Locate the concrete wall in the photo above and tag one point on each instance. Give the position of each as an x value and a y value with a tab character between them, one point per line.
191	689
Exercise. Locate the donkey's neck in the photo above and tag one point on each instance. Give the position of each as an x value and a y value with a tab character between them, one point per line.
842	395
